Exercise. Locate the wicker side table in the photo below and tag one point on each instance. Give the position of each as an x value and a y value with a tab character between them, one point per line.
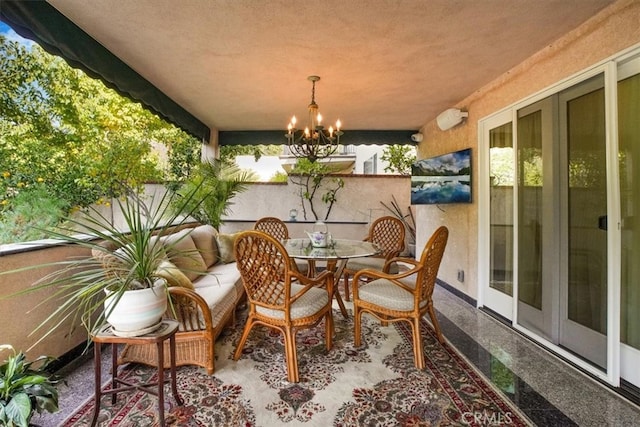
166	331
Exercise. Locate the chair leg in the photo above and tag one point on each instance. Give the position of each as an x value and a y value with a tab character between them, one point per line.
434	321
418	352
329	329
243	339
345	277
357	339
290	355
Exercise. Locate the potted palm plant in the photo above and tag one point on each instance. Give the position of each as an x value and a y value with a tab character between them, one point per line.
25	387
213	183
125	262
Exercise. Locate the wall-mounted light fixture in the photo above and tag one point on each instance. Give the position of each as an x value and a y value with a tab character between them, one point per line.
450	118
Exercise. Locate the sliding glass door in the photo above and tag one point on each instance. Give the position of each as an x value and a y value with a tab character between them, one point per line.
547	222
562	220
629	158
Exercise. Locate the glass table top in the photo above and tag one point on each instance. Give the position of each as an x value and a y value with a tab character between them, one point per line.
338	249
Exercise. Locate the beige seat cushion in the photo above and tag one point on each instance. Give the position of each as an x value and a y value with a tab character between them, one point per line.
357	264
308	304
384	293
220	299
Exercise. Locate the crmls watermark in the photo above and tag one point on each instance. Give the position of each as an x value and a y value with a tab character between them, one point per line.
485	418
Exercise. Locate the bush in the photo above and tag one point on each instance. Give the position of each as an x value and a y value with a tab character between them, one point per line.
27	214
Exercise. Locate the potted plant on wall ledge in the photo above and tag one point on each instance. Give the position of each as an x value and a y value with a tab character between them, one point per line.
25	388
125	263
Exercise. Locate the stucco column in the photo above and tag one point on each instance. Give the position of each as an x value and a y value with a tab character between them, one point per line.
210	150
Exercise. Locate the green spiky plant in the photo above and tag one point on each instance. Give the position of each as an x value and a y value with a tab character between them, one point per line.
25	387
79	284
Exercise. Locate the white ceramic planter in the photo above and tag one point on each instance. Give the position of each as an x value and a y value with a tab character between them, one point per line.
137	312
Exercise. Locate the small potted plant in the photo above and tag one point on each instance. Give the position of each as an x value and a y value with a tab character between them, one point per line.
25	387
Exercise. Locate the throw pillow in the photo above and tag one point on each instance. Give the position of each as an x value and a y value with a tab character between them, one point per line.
225	247
173	275
183	252
204	237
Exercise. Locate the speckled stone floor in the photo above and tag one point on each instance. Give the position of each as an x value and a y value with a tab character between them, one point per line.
549	391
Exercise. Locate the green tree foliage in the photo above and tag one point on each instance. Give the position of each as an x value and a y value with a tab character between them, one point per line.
315	182
84	142
279	177
399	157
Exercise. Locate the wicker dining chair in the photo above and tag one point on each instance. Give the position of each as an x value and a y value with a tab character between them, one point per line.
272	226
280	297
405	296
277	228
387	233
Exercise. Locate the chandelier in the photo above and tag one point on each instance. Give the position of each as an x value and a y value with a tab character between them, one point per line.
314	142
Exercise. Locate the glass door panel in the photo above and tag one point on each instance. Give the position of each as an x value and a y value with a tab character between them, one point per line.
530	174
501	177
583	208
537	220
629	161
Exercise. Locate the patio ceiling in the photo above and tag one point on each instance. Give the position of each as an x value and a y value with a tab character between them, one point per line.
385	65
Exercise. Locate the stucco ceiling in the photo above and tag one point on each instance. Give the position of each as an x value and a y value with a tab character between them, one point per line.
384	64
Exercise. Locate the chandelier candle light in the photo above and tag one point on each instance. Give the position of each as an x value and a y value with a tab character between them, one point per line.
314	142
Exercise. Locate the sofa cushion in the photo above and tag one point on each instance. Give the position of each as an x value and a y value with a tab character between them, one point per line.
204	237
225	247
220	299
173	275
183	252
220	275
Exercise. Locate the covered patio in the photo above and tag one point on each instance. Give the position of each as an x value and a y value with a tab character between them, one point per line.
234	73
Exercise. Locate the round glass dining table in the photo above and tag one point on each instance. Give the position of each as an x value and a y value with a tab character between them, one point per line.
336	255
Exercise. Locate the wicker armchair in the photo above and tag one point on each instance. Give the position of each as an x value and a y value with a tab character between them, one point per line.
272	226
275	300
387	233
277	228
404	296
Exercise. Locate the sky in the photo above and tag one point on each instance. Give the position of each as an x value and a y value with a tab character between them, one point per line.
8	32
266	167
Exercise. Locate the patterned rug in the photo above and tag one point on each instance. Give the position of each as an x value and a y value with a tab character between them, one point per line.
374	385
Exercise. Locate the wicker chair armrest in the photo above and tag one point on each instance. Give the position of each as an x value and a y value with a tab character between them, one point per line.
396	259
372	274
198	304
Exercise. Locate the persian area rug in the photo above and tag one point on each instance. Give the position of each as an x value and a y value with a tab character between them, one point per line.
374	385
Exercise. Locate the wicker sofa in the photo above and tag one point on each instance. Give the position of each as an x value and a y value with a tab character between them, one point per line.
205	286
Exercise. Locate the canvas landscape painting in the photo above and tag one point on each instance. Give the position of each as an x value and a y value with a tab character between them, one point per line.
442	179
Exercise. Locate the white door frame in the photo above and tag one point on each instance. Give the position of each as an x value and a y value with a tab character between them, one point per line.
609	68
